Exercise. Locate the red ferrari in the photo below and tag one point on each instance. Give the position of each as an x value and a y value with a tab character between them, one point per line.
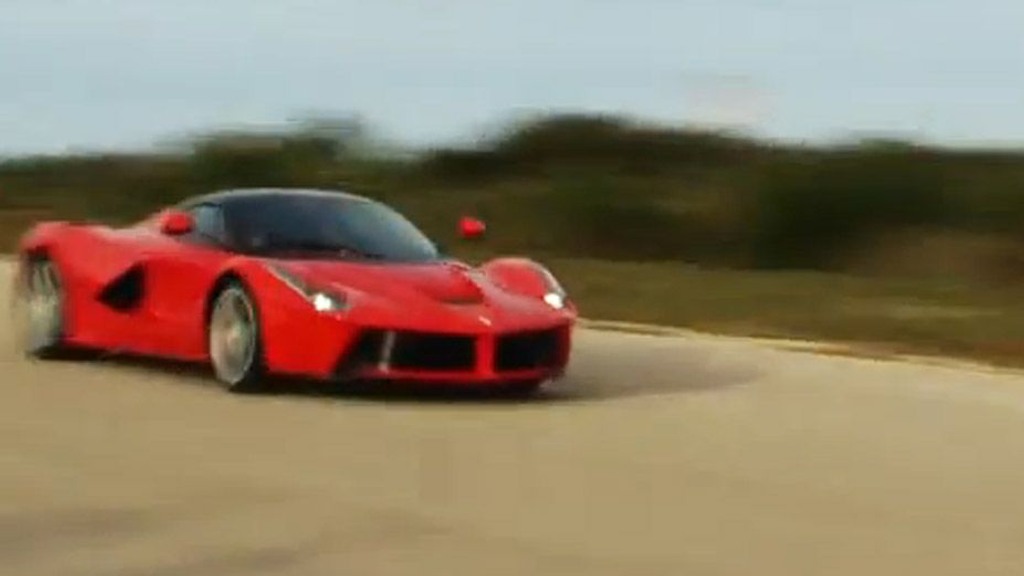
288	282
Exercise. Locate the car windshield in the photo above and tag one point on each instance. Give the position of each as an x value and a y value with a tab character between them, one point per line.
319	226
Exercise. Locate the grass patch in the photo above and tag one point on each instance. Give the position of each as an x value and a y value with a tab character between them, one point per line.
908	316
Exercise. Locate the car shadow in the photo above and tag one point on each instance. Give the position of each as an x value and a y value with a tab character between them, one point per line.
594	375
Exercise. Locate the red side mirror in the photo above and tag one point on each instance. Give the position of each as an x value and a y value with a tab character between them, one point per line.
471	228
176	223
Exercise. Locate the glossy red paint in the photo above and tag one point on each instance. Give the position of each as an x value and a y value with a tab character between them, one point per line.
471	228
176	223
492	314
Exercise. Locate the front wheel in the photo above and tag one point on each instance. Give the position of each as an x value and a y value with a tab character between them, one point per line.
234	340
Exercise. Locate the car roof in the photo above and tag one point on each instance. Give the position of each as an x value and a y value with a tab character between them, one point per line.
229	196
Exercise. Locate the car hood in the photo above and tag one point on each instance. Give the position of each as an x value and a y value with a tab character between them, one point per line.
444	282
423	296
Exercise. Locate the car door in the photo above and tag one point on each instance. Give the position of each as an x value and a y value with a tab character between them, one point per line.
181	273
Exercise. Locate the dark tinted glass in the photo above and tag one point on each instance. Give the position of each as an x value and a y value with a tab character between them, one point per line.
324	226
209	223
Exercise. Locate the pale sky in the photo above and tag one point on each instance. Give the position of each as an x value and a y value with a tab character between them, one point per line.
100	74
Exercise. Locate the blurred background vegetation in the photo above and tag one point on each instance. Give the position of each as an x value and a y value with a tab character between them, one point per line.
598	187
918	248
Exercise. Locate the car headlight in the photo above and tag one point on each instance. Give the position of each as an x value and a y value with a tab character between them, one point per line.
555	300
555	296
322	300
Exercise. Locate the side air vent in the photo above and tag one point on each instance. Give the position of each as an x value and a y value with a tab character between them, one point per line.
126	291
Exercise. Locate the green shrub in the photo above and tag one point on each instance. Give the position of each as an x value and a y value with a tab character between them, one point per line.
604	218
575	185
591	143
807	214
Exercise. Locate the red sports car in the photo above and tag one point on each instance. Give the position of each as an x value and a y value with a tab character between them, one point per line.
308	283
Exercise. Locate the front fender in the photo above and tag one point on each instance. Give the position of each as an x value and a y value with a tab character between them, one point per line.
41	236
297	340
275	300
522	276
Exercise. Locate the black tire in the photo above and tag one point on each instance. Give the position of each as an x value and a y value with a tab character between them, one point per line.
235	374
39	309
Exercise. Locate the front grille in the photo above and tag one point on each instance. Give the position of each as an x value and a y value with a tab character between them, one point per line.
527	350
409	351
422	351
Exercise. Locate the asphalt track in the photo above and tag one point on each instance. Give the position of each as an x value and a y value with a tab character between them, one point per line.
696	456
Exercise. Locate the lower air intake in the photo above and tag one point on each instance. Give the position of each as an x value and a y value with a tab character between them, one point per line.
527	350
421	351
409	351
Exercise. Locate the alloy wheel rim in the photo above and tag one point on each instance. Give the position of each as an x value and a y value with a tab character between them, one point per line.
232	336
38	307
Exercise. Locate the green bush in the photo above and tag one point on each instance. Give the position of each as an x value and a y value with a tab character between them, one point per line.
808	214
600	217
591	143
572	185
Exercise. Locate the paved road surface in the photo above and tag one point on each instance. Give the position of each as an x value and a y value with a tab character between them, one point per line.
662	456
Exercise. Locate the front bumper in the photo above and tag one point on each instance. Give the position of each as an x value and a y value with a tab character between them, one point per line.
327	351
457	358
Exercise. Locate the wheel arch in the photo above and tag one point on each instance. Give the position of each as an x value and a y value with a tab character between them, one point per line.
225	279
42	238
29	255
37	251
61	242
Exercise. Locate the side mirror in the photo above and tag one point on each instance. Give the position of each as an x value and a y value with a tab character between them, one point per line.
176	223
471	228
